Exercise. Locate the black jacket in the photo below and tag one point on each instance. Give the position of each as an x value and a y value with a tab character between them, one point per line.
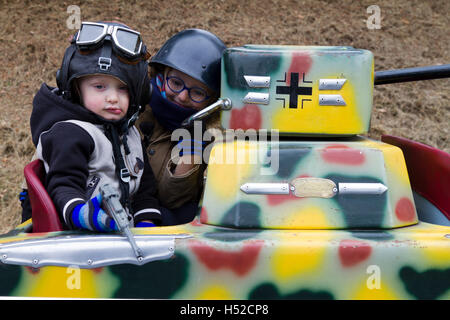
68	149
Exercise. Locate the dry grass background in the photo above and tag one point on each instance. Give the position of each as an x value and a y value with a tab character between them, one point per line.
33	37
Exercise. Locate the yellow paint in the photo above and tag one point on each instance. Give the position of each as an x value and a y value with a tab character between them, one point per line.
309	217
58	282
230	164
24	224
394	161
383	293
438	253
215	292
67	283
295	256
166	230
435	247
314	118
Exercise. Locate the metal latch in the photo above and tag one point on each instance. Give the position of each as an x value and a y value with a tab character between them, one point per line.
125	175
104	63
313	188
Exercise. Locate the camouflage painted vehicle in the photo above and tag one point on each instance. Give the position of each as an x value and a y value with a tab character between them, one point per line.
312	210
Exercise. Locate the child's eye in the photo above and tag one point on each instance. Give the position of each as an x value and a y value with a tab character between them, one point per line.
124	88
178	83
99	86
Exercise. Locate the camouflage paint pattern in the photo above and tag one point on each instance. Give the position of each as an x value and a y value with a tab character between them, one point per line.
223	263
356	160
297	70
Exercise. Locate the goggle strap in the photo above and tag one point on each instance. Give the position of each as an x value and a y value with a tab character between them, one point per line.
104	61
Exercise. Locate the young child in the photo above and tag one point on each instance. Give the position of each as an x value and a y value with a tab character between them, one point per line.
84	130
186	79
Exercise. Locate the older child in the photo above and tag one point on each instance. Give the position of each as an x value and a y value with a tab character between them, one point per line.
186	79
84	130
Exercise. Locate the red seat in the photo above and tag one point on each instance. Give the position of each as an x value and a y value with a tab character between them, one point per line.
428	170
44	216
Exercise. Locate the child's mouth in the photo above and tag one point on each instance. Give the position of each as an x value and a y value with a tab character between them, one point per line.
114	111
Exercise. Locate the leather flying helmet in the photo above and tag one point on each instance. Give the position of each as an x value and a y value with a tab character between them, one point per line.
108	48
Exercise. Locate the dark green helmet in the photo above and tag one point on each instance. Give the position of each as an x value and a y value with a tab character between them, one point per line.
195	52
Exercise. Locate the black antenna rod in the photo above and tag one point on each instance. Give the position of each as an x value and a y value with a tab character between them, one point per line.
412	74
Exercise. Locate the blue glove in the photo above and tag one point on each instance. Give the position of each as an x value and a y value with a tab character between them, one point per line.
145	224
90	216
23	195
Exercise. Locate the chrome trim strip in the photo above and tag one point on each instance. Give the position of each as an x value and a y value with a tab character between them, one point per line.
331	100
87	252
257	81
331	84
361	188
265	188
257	98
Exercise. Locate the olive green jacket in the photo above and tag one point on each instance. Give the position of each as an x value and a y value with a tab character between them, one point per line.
173	191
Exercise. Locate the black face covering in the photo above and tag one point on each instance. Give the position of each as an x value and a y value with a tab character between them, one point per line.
169	114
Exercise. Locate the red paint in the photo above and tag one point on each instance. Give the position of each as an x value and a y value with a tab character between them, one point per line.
240	262
196	222
353	252
276	199
249	117
404	210
32	270
343	155
203	215
301	63
98	270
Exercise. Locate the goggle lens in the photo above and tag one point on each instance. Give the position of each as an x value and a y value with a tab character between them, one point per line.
129	41
90	33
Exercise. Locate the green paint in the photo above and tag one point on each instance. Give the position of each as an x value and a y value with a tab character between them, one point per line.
378	235
232	235
242	215
360	210
238	63
289	158
426	285
268	291
154	280
9	278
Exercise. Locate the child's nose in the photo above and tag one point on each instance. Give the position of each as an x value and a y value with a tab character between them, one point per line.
112	96
184	95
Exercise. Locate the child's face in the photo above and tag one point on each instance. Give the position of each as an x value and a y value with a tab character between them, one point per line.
182	98
104	95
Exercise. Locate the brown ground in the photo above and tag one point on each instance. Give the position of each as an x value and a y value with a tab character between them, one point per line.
33	36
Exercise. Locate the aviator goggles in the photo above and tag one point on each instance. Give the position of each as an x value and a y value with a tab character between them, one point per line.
92	34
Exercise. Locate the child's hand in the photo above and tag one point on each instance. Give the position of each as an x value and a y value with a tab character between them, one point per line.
100	221
145	224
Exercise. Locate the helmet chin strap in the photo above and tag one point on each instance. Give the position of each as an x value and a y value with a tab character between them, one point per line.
62	73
